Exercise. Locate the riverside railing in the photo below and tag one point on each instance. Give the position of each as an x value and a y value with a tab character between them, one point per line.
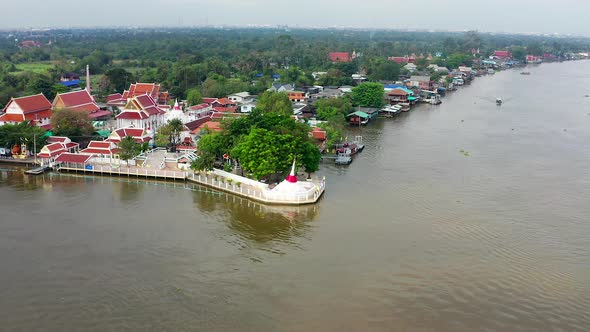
208	179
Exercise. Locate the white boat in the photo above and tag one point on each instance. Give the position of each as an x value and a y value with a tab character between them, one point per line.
391	110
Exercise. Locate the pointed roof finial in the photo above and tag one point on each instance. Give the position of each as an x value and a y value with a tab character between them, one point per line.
176	106
292	177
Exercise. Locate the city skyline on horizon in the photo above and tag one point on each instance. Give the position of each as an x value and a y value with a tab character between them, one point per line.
544	17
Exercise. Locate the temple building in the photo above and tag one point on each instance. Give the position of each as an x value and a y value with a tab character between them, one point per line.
141	112
35	108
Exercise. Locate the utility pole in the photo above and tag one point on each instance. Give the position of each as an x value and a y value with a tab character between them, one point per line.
35	146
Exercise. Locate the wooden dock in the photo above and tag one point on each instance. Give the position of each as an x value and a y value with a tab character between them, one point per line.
38	170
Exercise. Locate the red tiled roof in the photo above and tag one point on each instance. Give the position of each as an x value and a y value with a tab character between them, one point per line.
52	150
88	108
11	117
71	145
209	100
67	157
399	59
224	101
211	125
47	126
76	98
198	107
115	99
225	109
38	115
142	88
319	133
502	54
57	139
132	115
196	123
99	114
340	57
100	147
397	92
148	104
33	103
138	134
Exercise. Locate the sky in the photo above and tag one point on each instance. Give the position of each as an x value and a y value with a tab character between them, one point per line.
512	16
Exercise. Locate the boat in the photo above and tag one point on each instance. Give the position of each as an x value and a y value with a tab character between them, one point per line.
491	71
525	73
391	110
498	101
38	170
348	148
343	159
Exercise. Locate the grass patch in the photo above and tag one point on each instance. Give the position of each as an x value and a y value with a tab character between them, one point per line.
35	67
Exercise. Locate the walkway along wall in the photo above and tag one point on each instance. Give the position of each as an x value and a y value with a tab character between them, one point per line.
218	180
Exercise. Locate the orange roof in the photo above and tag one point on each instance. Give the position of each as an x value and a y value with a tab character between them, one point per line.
38	115
211	125
224	101
11	117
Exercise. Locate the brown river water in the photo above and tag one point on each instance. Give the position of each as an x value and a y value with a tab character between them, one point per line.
460	217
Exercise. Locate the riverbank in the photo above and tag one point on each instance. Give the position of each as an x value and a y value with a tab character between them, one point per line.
21	162
216	179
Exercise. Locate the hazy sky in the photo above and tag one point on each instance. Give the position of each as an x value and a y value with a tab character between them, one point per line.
544	16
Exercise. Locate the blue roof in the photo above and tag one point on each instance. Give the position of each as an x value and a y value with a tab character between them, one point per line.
70	83
393	86
259	75
276	76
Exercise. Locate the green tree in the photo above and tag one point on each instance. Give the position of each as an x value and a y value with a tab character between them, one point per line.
129	148
384	70
118	78
263	152
310	157
325	113
71	124
421	63
40	84
204	162
277	102
459	59
171	132
21	133
368	95
194	97
518	52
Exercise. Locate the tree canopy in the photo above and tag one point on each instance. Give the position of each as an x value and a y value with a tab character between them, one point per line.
277	102
21	133
71	124
263	143
129	148
368	95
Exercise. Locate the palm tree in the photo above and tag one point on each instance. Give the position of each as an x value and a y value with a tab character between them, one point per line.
175	126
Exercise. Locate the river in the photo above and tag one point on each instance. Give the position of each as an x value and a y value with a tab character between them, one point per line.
460	217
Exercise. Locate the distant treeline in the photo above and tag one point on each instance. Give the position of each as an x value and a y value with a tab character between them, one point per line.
222	61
